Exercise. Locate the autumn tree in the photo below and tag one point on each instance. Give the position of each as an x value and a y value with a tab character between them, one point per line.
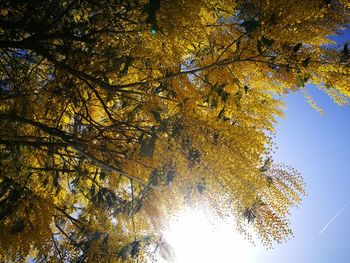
116	114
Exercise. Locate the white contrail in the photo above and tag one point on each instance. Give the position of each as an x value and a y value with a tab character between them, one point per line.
333	218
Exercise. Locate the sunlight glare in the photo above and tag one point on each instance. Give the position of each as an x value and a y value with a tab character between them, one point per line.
194	238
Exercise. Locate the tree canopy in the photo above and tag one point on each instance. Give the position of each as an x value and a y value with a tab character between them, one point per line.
116	114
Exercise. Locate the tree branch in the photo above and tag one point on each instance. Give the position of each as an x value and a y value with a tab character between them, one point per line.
67	139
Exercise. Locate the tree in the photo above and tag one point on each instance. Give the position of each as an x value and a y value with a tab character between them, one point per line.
115	114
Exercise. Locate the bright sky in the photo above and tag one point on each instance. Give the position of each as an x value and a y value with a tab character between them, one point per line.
319	147
194	238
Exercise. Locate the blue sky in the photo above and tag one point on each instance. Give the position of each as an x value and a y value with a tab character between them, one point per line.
319	147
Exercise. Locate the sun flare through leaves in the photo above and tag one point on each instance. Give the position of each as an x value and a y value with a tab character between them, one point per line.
115	115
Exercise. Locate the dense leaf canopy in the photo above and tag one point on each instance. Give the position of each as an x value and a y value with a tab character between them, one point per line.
116	114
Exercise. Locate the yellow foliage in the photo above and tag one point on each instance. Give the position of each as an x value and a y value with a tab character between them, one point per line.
117	114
